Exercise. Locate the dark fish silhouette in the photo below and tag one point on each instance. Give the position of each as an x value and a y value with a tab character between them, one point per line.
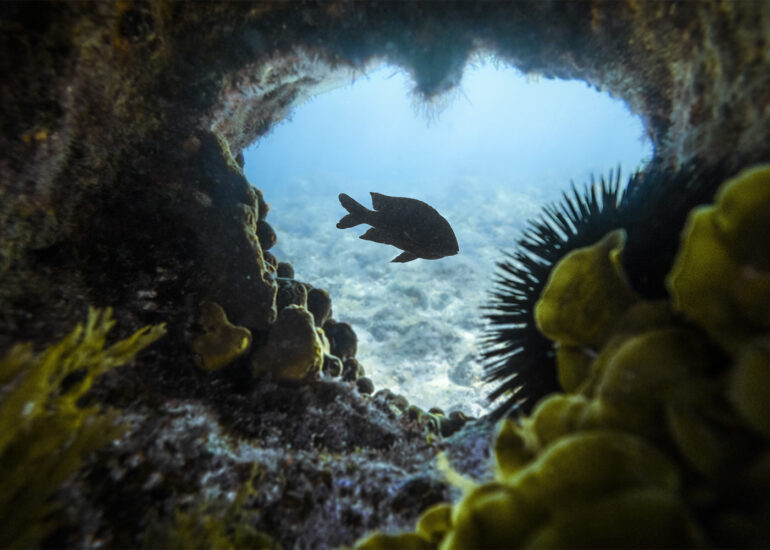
408	224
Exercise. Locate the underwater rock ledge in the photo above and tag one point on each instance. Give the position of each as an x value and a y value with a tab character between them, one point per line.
120	186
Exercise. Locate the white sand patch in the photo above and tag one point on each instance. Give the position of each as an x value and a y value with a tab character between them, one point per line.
417	323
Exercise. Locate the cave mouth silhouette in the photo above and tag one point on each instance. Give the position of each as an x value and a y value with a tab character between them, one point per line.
503	145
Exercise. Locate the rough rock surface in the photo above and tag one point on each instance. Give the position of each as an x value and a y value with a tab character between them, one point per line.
119	187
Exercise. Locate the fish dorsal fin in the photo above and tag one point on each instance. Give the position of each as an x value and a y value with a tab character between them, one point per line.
375	235
404	257
380	201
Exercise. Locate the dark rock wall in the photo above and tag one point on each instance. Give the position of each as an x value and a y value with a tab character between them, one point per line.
693	71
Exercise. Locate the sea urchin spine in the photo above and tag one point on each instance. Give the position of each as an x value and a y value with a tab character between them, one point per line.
651	207
514	352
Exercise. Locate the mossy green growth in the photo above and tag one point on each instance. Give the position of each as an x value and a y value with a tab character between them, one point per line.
221	342
44	433
721	277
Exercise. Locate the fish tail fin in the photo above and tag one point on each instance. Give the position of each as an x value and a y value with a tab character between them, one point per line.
357	212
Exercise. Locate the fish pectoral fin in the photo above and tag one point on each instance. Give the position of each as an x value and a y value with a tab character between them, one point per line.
375	235
404	257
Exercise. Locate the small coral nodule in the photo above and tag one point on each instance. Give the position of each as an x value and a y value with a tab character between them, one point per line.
295	347
44	433
221	342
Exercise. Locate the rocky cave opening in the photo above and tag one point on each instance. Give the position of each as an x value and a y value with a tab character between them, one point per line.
121	188
519	139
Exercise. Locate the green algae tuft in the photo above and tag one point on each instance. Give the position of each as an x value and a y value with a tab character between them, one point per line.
44	433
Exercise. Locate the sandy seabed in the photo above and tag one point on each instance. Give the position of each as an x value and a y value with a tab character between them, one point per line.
419	323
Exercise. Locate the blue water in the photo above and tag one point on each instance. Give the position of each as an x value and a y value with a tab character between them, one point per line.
502	128
497	150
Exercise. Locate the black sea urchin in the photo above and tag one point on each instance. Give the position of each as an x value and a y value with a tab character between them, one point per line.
652	207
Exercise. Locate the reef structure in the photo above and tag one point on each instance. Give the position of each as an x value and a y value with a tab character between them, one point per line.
120	185
660	437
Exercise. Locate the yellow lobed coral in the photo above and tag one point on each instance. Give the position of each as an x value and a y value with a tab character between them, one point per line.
656	425
44	433
721	278
587	284
221	342
295	347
